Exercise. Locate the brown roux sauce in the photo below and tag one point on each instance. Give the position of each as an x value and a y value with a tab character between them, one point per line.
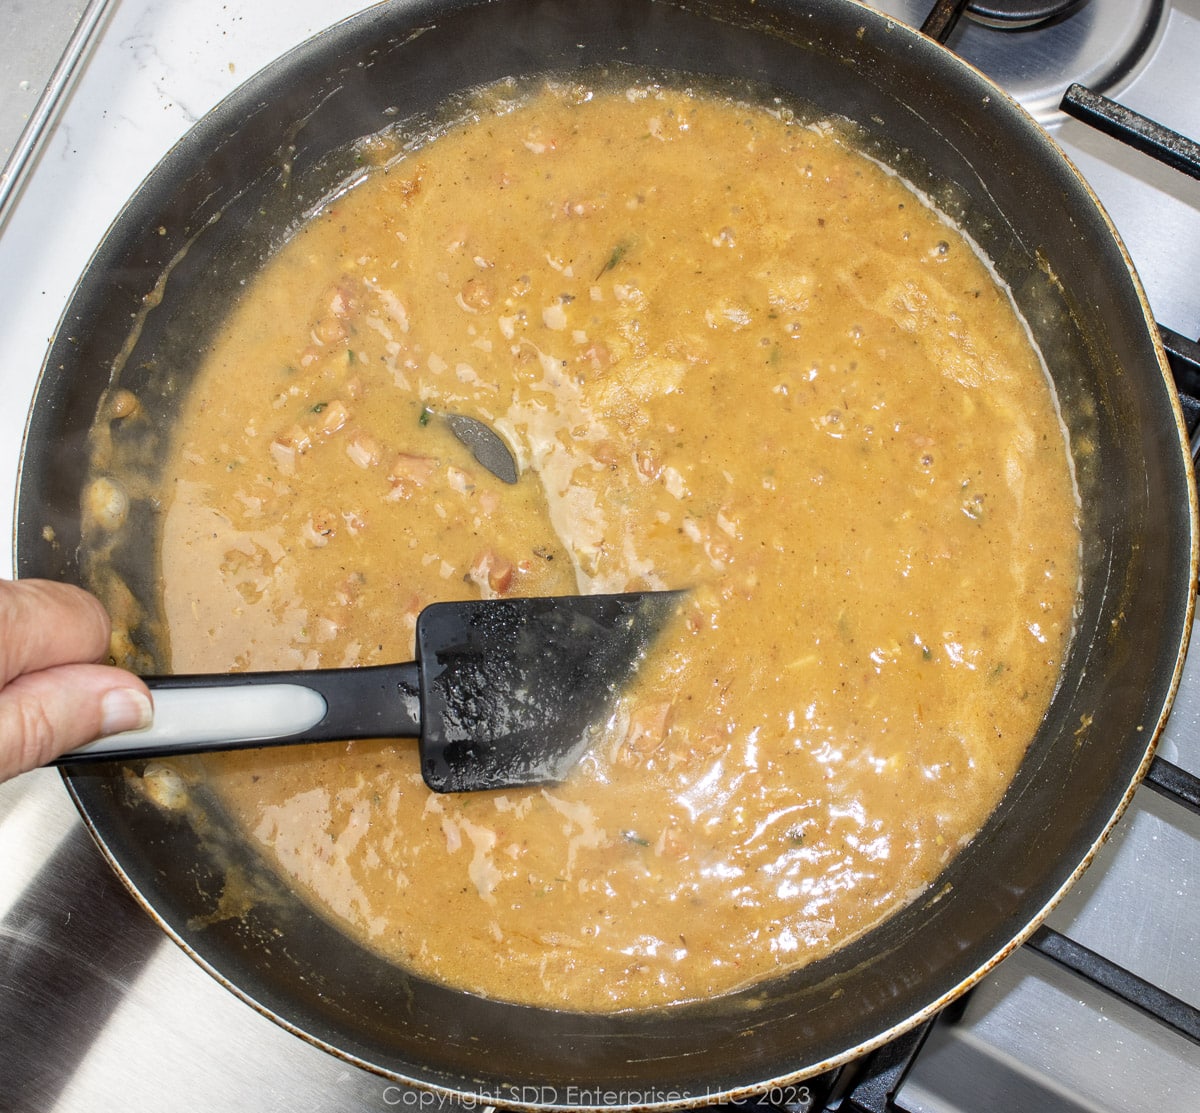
729	353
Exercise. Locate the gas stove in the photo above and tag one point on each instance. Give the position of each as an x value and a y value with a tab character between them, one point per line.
99	1010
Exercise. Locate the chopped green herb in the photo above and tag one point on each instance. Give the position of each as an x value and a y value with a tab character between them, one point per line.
635	838
426	414
618	253
319	407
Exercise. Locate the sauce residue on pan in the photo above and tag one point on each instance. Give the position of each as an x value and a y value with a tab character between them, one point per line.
729	353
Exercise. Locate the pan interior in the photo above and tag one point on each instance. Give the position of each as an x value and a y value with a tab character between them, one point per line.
242	180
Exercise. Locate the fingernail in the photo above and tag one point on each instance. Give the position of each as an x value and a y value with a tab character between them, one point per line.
124	709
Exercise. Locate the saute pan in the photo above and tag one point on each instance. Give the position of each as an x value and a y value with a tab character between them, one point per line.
235	186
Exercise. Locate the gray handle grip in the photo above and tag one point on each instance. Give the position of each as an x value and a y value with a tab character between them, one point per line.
221	712
188	719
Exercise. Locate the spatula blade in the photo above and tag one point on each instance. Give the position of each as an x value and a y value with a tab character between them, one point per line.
512	689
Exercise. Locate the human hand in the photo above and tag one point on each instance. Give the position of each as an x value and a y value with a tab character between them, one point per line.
53	696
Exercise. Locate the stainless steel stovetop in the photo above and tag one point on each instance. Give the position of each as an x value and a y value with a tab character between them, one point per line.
99	1011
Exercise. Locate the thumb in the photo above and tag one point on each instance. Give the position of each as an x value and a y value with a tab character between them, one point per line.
47	713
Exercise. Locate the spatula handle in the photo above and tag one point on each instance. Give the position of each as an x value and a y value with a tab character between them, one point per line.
221	712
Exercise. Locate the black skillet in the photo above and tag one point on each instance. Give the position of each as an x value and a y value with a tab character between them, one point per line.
248	172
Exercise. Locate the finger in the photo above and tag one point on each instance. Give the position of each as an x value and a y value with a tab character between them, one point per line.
44	624
45	714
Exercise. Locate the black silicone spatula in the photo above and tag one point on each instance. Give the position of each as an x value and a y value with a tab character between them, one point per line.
504	693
